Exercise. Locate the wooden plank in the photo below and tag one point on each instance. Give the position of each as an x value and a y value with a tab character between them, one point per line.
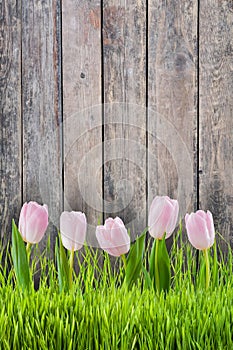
172	96
216	110
124	44
81	37
42	165
10	115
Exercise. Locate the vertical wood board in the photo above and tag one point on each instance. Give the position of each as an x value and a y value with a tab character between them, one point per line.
124	50
81	37
216	113
10	115
172	101
42	143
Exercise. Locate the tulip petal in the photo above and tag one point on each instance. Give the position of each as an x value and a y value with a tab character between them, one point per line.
210	225
186	218
37	225
22	221
163	216
171	227
108	223
113	237
118	221
119	235
104	241
197	231
33	221
120	238
73	229
156	210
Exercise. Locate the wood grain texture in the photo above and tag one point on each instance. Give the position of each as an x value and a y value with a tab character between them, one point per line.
124	44
172	101
10	114
42	165
216	111
81	37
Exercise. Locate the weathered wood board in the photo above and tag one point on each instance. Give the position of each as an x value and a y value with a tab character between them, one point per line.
216	113
82	97
124	87
172	101
10	115
41	106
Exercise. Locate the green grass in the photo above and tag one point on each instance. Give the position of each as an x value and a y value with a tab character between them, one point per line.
115	319
100	313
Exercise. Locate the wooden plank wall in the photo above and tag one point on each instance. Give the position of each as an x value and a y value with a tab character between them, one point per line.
105	104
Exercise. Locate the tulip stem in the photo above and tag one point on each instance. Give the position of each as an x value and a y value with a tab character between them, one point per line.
157	283
71	266
205	251
124	260
28	250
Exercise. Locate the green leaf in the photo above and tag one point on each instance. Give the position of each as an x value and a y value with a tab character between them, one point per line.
147	278
20	259
152	261
134	260
62	266
159	263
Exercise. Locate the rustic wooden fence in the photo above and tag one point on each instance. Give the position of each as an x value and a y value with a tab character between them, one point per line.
105	104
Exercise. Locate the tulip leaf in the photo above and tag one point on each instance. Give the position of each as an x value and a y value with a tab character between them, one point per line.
160	271
152	261
134	260
20	259
62	266
147	278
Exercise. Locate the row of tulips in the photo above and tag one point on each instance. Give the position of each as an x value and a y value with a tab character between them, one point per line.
112	238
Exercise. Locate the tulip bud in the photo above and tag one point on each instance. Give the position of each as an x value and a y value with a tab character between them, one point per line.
73	226
113	237
163	216
200	229
33	221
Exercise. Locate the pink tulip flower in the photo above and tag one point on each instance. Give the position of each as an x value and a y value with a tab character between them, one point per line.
200	229
33	221
73	226
163	216
113	237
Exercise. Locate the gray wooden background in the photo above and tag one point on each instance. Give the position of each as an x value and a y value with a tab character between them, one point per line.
105	104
